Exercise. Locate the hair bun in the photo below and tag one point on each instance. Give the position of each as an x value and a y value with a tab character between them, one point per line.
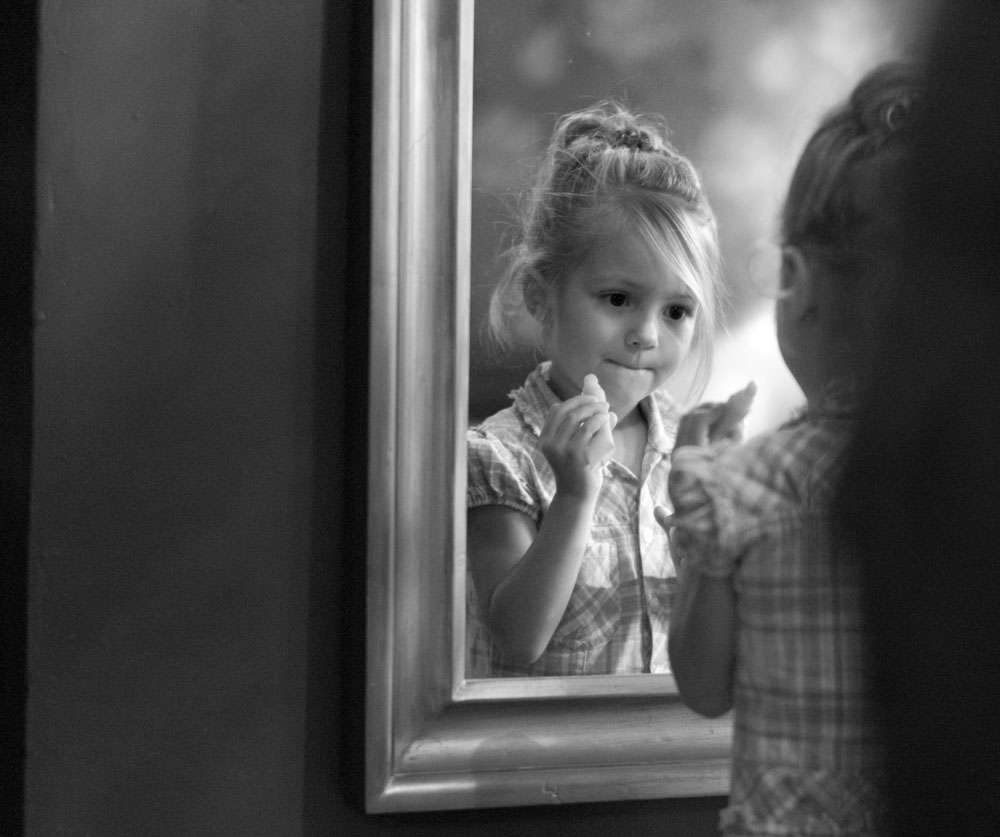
631	138
897	115
886	102
610	126
579	127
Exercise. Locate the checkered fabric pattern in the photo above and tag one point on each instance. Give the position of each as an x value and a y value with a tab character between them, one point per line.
806	743
616	621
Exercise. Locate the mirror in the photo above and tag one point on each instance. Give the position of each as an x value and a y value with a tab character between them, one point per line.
435	739
741	85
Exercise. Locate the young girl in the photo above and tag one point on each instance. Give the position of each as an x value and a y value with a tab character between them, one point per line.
616	268
768	613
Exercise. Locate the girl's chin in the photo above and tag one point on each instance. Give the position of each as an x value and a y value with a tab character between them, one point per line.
628	396
624	406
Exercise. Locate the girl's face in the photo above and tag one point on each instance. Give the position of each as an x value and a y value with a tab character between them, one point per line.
623	315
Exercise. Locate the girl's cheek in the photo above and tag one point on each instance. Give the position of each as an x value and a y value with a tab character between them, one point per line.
682	338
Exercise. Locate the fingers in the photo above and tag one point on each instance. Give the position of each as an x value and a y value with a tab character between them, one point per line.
592	425
733	412
576	419
600	445
577	409
662	516
713	421
578	430
693	426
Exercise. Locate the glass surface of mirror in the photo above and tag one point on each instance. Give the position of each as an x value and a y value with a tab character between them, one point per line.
436	739
740	85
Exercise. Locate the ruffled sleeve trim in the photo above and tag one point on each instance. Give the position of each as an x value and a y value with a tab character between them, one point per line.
533	400
496	476
704	513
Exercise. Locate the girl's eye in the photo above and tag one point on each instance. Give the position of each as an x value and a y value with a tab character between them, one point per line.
678	312
617	299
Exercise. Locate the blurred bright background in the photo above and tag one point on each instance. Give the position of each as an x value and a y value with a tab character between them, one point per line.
741	83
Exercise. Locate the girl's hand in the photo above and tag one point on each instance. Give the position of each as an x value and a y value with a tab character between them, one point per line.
572	438
712	422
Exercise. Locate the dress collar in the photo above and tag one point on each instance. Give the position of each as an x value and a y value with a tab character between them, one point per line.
839	398
534	400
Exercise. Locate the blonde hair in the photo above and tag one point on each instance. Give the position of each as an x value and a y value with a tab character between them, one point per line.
608	165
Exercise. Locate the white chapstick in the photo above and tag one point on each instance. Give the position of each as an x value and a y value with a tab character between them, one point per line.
592	387
603	443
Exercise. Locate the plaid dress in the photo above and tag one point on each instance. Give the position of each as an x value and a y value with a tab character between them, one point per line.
806	739
616	620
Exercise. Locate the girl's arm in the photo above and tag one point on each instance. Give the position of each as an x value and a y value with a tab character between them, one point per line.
701	639
524	576
702	642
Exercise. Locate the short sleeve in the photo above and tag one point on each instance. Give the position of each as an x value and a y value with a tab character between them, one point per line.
702	534
498	475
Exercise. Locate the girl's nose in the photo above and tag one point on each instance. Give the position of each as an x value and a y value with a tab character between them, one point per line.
643	335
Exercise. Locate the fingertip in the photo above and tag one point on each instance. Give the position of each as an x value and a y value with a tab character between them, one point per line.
743	398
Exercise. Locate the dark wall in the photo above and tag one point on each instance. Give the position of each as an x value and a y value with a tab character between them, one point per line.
196	562
17	224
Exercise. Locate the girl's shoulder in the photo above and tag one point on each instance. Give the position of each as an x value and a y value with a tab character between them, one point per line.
503	425
505	464
507	434
794	464
525	416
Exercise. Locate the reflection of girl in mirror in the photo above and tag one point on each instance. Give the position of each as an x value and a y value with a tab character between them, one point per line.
768	614
616	268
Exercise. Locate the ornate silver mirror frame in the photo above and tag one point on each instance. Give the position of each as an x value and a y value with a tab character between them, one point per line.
436	740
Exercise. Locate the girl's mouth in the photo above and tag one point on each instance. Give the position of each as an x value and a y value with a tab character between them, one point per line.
627	367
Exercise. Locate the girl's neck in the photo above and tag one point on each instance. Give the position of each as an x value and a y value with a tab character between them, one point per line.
633	417
630	441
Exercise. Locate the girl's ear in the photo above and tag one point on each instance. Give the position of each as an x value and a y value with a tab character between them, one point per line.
536	298
799	290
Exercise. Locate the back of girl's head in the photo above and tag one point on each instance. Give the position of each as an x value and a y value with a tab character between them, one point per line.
609	171
845	201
